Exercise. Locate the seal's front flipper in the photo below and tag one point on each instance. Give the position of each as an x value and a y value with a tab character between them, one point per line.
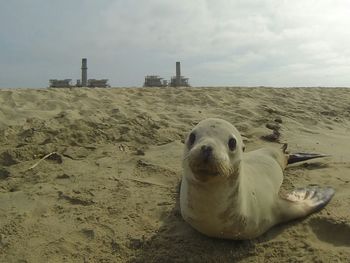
299	157
304	201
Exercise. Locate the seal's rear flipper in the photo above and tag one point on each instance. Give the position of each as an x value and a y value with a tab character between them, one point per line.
313	195
304	201
299	157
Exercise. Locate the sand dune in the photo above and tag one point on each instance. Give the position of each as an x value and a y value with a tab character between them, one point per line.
109	193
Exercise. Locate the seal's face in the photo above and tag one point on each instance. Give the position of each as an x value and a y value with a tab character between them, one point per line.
213	148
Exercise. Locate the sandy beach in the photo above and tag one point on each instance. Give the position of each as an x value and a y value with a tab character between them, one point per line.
108	191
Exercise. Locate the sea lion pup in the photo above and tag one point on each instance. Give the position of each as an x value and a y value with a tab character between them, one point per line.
227	193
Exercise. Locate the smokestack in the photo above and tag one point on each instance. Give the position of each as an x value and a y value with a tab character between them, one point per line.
84	72
178	74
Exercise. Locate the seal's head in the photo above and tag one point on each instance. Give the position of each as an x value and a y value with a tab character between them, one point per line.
213	149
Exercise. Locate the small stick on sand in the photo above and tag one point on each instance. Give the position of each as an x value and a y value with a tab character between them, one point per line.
147	183
45	157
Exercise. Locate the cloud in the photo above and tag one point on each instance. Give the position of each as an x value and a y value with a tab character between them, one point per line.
221	42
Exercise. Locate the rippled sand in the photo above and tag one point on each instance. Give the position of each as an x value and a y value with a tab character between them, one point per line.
109	191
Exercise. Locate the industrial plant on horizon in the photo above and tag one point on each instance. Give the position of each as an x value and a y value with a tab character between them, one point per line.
84	82
176	81
150	80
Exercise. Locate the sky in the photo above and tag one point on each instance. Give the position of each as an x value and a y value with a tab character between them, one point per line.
219	42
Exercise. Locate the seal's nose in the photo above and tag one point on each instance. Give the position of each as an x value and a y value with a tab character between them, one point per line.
206	152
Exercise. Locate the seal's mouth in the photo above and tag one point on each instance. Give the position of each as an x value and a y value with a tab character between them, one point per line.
203	177
206	163
206	166
203	173
208	173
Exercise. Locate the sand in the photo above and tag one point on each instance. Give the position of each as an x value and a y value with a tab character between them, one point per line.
109	190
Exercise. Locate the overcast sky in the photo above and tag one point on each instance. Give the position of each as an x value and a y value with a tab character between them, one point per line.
219	42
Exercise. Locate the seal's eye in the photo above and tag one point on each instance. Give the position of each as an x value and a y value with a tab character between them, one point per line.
232	144
191	138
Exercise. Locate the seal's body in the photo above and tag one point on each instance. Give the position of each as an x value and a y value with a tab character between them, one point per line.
227	193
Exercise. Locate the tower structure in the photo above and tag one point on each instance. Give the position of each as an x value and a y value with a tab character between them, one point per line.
178	80
84	72
178	74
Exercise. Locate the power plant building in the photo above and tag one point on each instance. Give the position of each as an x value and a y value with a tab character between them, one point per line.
97	83
179	82
176	81
60	83
154	81
83	82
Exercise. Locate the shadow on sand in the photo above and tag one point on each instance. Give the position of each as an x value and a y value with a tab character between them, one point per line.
176	241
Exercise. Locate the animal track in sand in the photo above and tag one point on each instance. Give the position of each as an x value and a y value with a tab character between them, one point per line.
337	234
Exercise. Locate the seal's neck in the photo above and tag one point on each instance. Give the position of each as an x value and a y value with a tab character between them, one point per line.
216	192
211	206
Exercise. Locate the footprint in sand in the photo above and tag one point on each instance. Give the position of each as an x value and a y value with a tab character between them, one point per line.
337	234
